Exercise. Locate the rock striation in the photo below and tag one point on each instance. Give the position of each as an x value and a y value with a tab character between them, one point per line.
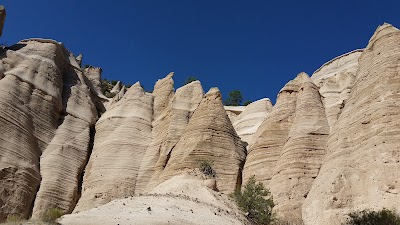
45	113
301	156
361	168
123	134
272	134
168	132
209	136
329	147
248	121
289	146
335	80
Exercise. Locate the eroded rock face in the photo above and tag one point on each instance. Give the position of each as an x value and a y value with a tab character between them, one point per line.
289	146
168	128
272	134
116	88
45	104
209	135
123	134
94	76
248	121
362	163
301	157
335	80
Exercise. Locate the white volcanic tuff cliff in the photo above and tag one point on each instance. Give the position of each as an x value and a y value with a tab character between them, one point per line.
335	80
346	63
116	88
45	103
123	134
94	76
163	93
209	135
362	163
302	154
272	134
250	119
168	132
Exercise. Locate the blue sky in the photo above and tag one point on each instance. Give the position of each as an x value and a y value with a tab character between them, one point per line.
253	46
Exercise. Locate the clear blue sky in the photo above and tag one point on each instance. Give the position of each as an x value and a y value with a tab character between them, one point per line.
254	46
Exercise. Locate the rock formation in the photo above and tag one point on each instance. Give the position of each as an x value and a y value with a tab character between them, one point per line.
329	147
117	87
361	168
168	132
209	136
233	112
79	59
94	76
302	154
123	134
45	113
272	134
335	80
248	121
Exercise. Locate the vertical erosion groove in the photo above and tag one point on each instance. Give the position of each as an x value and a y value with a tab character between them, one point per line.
89	152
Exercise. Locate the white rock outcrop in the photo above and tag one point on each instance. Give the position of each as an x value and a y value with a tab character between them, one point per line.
249	120
46	112
335	80
123	134
361	168
209	136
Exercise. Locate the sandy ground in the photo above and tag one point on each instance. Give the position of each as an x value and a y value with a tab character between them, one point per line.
184	199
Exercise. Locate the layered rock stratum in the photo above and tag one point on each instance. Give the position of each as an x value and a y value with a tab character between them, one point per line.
360	170
328	147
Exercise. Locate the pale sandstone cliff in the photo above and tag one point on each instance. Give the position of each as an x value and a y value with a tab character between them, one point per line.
46	113
335	80
209	136
302	155
327	148
361	168
250	119
123	133
272	134
178	114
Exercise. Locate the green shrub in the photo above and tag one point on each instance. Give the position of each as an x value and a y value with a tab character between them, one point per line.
14	219
235	98
51	215
255	201
368	217
205	166
190	80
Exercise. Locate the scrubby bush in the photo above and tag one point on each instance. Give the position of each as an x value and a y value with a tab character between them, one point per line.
246	103
255	201
190	80
235	98
205	166
14	219
368	217
51	215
